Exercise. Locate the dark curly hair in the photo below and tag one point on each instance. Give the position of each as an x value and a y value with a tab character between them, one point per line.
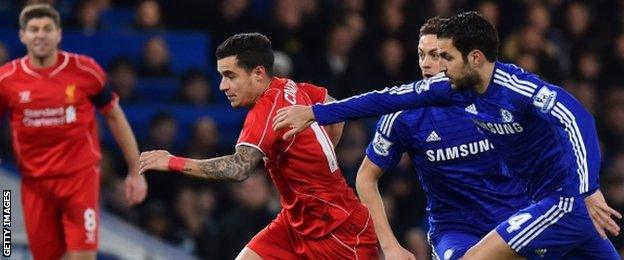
471	31
251	50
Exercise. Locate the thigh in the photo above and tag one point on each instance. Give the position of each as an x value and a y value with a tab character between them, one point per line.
552	226
594	248
453	244
81	211
274	241
42	218
355	238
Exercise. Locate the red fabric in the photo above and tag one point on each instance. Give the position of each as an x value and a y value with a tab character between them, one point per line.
353	239
61	213
304	170
51	114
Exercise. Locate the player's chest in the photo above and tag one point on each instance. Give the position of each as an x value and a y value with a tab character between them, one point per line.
41	93
445	128
496	118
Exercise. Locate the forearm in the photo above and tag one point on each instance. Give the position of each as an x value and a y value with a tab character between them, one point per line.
368	191
122	133
373	103
236	167
224	168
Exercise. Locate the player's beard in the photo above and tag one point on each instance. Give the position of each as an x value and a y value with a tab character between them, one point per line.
468	81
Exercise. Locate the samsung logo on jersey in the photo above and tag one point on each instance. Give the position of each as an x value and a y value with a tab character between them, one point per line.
459	151
501	129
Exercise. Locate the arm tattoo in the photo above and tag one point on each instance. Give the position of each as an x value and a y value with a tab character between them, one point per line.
236	167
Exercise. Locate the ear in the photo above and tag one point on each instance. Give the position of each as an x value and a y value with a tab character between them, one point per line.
21	35
259	72
476	58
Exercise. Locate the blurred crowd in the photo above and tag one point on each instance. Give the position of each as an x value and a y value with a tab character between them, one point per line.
348	46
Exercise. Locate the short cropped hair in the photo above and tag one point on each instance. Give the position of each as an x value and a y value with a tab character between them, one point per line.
431	26
39	11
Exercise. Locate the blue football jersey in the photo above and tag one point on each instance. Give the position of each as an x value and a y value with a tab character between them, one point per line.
457	167
539	130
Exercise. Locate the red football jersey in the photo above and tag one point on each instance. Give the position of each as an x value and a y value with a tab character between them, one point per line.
51	113
314	196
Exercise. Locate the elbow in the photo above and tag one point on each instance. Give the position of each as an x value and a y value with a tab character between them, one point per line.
242	176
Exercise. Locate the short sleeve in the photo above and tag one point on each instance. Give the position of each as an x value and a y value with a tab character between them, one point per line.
317	94
386	148
257	131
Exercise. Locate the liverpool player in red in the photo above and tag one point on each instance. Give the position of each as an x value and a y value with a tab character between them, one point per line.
51	96
321	217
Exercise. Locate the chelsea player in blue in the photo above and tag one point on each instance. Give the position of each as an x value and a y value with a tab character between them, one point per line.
539	130
458	169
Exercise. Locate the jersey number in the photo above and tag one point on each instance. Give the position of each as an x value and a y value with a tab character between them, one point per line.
89	220
516	221
327	146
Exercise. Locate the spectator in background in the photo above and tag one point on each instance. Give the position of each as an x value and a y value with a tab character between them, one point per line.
204	142
416	241
389	68
283	65
615	61
156	220
123	78
350	150
233	16
577	31
86	17
5	55
529	40
285	27
613	115
588	68
148	16
194	230
156	59
250	214
195	89
337	68
163	129
490	11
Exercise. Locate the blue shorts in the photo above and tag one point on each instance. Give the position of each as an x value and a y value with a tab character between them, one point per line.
452	244
555	227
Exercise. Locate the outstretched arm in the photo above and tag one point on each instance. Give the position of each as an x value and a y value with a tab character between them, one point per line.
235	167
335	130
375	103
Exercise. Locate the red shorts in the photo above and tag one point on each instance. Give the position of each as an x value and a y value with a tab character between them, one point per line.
354	239
61	213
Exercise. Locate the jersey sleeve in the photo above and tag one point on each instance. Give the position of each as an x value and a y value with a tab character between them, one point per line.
257	131
5	71
424	93
317	94
101	96
576	125
386	148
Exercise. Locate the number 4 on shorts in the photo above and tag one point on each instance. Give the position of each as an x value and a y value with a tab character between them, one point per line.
516	221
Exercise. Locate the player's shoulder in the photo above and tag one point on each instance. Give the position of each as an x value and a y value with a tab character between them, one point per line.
514	78
396	120
8	69
86	64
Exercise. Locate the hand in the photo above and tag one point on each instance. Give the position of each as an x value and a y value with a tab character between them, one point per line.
601	214
398	252
136	188
154	160
297	117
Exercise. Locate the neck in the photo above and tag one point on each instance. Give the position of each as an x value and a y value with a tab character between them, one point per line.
43	62
485	76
